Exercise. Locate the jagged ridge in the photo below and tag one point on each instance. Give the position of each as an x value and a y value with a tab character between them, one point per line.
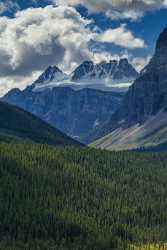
115	70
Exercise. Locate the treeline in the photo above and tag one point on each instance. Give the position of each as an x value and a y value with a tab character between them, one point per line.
81	198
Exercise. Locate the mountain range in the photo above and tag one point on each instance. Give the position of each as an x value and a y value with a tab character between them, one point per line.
141	120
113	75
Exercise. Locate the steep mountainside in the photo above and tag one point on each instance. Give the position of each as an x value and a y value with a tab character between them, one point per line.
17	125
73	198
146	100
76	113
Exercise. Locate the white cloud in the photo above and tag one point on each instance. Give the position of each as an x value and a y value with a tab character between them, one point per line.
122	37
98	57
106	56
41	36
119	9
7	83
140	62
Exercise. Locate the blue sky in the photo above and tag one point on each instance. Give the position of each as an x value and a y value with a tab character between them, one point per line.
109	29
147	27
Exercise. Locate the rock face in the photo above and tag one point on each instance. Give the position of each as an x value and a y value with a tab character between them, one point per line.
146	98
76	113
148	95
117	71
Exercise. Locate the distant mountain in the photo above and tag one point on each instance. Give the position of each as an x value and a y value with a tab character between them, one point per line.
79	103
108	76
141	120
19	125
76	113
116	71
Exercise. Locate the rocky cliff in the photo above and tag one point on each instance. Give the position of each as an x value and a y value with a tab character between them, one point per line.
146	99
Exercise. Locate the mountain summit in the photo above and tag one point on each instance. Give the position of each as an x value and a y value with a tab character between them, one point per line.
52	75
141	120
116	71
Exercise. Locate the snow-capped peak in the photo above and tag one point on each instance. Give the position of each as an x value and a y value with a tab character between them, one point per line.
51	74
116	71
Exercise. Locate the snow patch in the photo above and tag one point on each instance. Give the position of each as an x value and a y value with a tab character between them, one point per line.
96	123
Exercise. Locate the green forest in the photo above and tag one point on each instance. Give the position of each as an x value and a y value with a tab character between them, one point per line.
61	198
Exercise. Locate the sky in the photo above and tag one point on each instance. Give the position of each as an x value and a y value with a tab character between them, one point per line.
37	33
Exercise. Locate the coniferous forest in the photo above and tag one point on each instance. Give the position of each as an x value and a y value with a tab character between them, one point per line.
60	198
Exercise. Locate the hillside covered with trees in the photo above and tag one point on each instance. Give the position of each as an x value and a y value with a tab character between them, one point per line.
81	199
17	125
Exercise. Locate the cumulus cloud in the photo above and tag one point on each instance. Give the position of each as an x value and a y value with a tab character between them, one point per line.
122	37
119	9
7	83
